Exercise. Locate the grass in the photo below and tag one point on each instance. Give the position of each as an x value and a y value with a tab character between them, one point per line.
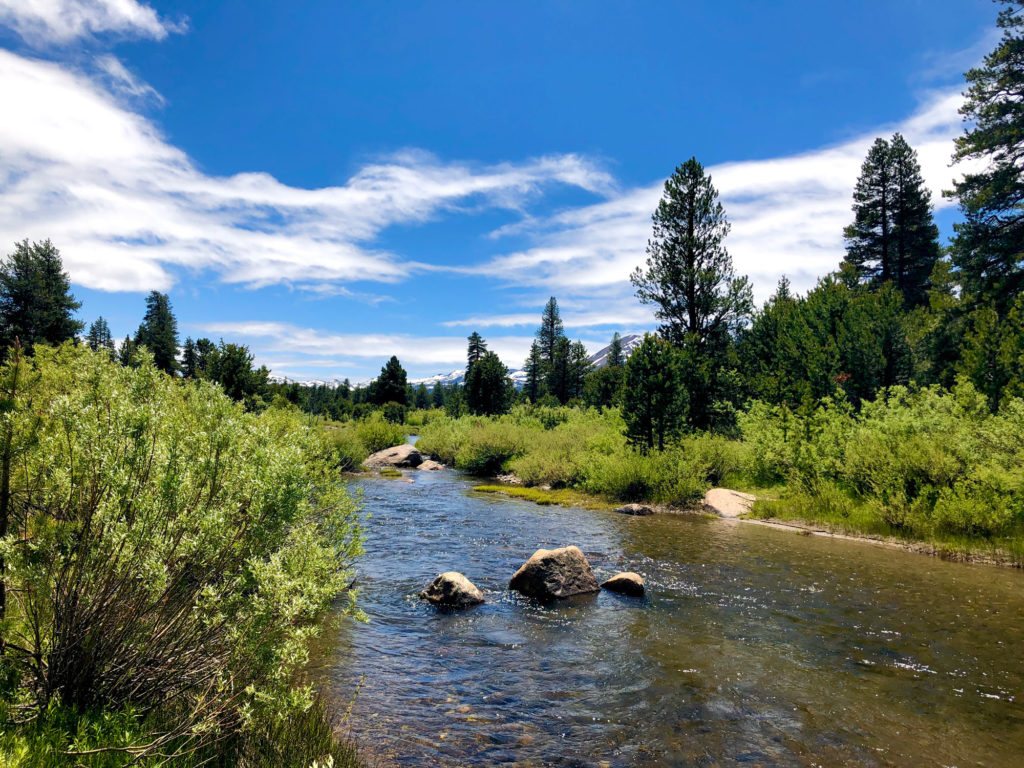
563	497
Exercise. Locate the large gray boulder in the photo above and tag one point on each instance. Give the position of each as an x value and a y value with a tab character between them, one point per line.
452	590
398	456
555	573
627	583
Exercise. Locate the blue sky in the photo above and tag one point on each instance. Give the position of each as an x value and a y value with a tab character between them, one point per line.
331	183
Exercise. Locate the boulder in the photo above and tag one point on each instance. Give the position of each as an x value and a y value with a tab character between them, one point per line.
452	590
431	465
627	583
726	503
555	573
635	509
398	456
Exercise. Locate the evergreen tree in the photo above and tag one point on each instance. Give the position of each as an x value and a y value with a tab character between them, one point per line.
230	365
577	369
654	400
550	331
616	359
99	337
602	388
422	397
391	385
36	304
689	277
126	354
476	349
534	369
487	390
437	396
893	236
189	359
159	332
988	247
558	379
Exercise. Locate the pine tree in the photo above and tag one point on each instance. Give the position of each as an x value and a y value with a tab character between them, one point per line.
616	359
988	247
99	337
204	352
437	396
126	354
654	400
487	390
893	236
550	331
422	397
558	379
577	369
189	359
476	349
159	332
391	385
534	369
36	304
690	278
689	274
231	366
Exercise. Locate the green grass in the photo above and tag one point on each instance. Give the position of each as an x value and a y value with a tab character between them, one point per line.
564	497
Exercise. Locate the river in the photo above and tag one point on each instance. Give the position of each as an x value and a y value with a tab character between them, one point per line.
754	646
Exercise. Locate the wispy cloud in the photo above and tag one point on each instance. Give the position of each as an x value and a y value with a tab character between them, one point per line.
787	214
421	354
46	22
130	210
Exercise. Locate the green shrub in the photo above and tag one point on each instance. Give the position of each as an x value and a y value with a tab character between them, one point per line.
376	433
349	450
170	552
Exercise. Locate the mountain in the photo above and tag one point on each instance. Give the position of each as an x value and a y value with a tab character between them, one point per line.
629	343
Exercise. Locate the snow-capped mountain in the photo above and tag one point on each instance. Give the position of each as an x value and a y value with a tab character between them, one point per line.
629	343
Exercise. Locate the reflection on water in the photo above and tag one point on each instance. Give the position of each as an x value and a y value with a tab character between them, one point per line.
753	646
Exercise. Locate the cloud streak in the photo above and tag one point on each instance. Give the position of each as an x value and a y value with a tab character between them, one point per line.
132	211
787	214
44	22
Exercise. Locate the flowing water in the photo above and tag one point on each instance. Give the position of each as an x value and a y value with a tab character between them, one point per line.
754	646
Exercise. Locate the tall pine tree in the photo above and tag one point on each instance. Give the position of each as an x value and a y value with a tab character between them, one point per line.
159	332
700	300
99	337
533	388
893	237
989	244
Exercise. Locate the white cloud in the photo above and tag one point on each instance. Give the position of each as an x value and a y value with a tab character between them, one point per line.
129	210
315	348
787	214
46	22
620	314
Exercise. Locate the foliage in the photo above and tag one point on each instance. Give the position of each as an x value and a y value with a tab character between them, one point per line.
231	366
893	237
689	276
390	386
924	462
987	247
377	433
36	305
654	400
487	389
168	551
159	332
99	337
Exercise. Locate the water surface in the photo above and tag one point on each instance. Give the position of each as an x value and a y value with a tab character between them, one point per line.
754	646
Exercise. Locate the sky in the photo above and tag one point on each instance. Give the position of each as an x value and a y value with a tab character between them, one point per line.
333	183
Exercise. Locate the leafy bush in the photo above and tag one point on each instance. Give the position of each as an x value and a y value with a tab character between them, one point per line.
376	433
349	451
170	552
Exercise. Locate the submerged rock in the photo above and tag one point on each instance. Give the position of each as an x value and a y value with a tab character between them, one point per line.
555	573
726	503
635	509
627	583
431	465
452	590
398	456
